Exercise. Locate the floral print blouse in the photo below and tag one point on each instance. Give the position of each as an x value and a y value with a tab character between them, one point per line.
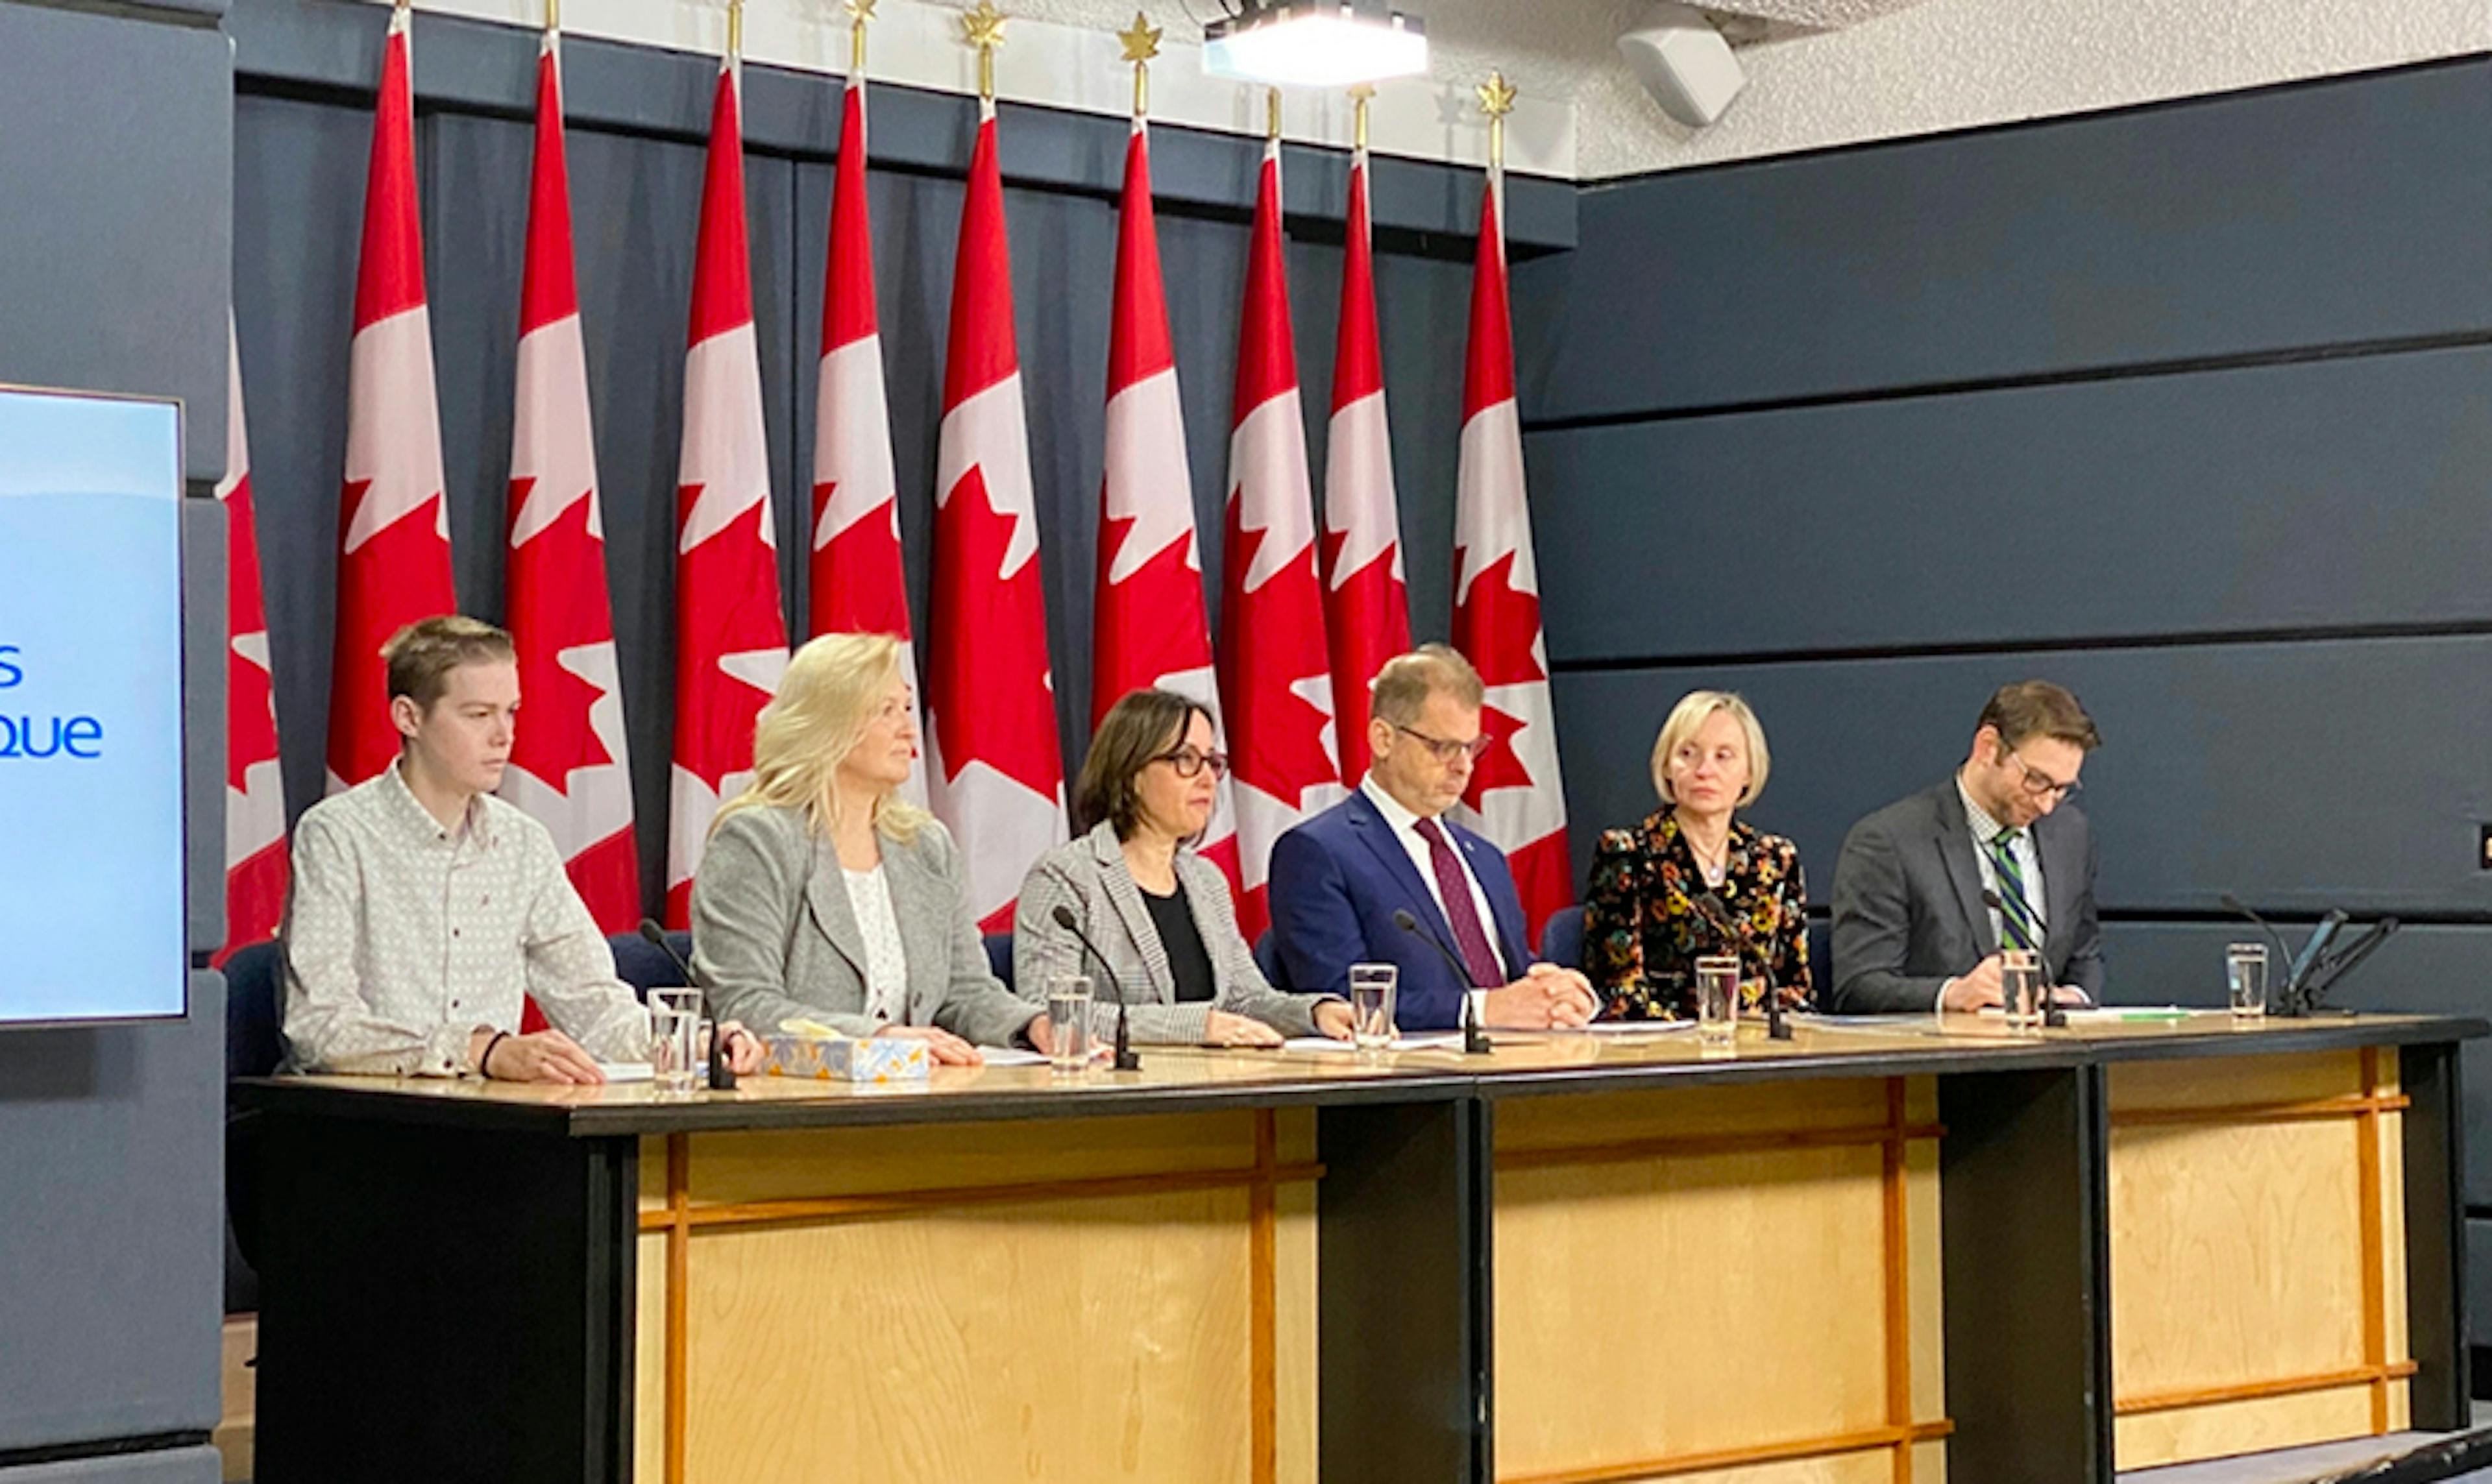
1648	920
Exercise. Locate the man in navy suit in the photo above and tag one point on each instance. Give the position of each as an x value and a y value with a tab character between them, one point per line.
1338	878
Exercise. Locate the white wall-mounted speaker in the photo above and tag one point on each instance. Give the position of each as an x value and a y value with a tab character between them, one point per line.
1683	62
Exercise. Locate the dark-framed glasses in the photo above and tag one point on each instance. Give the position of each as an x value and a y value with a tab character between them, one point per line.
1190	763
1445	751
2041	784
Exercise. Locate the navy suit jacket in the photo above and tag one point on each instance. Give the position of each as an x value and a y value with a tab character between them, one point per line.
1336	882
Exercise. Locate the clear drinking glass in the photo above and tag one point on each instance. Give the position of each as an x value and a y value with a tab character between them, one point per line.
1717	1003
2020	988
1068	1012
1372	988
2245	979
674	1042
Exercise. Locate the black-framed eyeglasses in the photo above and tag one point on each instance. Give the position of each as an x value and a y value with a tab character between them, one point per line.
1445	751
1190	763
2041	784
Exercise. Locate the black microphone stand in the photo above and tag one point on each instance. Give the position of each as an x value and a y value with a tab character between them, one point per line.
1126	1059
1475	1041
722	1075
1777	1028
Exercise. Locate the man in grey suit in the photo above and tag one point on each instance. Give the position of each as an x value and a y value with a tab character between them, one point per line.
1930	887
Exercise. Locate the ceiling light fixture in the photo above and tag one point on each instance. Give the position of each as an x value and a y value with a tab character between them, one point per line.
1316	43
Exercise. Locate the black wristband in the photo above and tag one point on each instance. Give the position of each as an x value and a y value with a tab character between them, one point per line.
485	1062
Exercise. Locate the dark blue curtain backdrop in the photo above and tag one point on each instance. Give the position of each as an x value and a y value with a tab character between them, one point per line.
2188	406
302	132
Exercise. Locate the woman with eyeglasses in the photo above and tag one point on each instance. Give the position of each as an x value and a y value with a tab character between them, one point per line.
1159	913
1693	881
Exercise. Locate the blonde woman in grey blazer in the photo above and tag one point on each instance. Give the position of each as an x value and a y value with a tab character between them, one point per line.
1159	913
824	894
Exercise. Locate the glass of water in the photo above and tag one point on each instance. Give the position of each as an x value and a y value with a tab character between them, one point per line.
674	1041
2245	979
1372	988
1717	1003
1068	1012
2020	988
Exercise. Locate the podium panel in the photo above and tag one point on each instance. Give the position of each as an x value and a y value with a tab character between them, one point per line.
1736	1283
1049	1300
2258	1254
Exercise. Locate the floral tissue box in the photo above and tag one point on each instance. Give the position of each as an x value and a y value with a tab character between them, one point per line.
805	1052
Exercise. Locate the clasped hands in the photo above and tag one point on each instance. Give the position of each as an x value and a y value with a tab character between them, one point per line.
1983	988
550	1056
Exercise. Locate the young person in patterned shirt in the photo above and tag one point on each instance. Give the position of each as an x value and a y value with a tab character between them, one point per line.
423	908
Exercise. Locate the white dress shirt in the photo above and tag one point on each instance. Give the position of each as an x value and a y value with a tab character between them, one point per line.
2029	863
1406	829
402	939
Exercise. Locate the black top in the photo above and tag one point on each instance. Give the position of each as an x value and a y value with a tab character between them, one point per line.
1189	963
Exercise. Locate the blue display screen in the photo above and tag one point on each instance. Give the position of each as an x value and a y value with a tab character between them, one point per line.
91	838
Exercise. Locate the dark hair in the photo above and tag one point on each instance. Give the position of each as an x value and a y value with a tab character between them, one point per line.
2038	708
421	656
1141	726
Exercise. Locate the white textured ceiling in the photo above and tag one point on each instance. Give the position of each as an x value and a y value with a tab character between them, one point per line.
1926	66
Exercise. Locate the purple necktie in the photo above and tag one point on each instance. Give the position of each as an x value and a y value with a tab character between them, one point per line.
1456	888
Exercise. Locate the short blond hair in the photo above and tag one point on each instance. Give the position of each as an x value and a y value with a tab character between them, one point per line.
1691	712
1407	680
825	702
421	656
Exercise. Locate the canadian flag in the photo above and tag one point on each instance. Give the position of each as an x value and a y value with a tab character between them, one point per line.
1148	622
569	767
730	634
858	582
1367	606
1514	793
255	864
393	533
1273	664
994	774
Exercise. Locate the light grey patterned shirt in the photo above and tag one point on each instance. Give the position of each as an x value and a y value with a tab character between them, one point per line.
403	937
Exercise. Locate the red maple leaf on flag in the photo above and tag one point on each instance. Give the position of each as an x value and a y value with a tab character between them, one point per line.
554	736
1275	734
866	545
999	709
1175	641
1499	767
734	610
1494	607
359	710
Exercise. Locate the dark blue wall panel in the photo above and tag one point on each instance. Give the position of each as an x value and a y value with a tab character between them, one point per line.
115	154
2295	775
2352	210
2327	493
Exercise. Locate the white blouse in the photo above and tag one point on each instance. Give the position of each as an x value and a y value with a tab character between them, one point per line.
886	963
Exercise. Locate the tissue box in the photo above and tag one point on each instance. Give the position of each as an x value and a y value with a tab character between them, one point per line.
881	1060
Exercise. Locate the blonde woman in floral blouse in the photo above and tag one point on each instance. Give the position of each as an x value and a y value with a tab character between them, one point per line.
1693	881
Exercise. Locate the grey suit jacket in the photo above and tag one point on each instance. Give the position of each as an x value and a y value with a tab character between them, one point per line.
1090	875
1908	908
774	936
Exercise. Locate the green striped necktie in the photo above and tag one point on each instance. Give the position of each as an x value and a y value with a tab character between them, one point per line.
2016	919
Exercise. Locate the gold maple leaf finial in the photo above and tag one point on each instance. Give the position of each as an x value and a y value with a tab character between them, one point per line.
1142	42
983	27
859	10
1496	96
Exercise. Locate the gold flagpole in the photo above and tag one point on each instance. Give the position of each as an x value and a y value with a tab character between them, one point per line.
1497	101
1359	98
1271	114
1141	43
859	12
984	29
736	33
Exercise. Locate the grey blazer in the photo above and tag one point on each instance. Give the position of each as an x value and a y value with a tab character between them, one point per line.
1090	875
1908	908
774	936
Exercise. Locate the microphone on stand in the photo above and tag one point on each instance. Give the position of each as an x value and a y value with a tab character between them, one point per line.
2055	1017
1126	1059
721	1075
1475	1042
